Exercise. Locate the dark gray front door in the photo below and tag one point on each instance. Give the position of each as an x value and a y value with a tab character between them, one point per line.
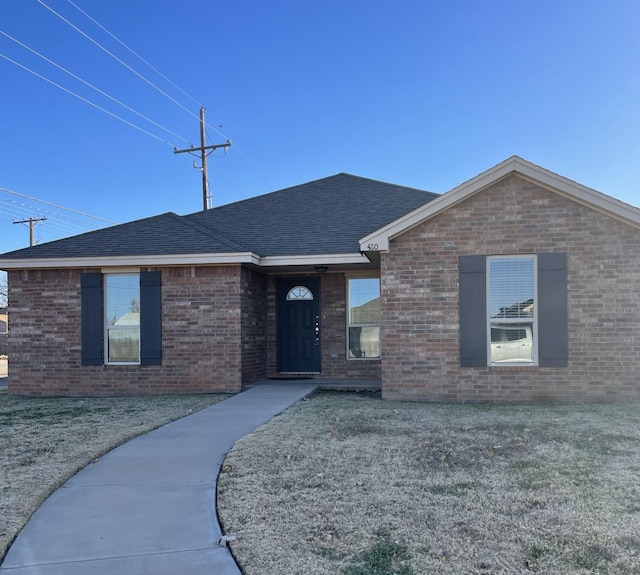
298	311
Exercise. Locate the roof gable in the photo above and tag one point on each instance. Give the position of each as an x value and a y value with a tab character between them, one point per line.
379	240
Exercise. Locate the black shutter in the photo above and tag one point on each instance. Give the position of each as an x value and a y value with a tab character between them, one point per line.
150	318
473	310
91	318
553	348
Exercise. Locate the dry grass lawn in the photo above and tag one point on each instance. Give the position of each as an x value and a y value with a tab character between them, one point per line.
349	484
43	442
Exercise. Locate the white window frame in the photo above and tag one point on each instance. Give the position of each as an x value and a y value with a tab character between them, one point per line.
106	327
515	320
350	325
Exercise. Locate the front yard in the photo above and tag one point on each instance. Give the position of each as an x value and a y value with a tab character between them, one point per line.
45	441
349	484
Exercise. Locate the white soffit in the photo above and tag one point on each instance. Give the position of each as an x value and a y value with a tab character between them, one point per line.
379	240
324	259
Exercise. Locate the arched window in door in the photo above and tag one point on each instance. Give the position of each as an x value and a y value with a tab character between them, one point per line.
299	293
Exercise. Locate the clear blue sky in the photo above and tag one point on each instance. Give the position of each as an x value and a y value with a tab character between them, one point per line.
419	93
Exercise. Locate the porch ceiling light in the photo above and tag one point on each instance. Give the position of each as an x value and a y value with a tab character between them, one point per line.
322	269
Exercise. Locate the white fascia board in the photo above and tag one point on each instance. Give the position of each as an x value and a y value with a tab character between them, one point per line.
325	259
130	261
536	174
581	194
381	237
183	260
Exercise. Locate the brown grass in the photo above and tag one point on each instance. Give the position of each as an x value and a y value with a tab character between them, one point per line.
43	442
351	484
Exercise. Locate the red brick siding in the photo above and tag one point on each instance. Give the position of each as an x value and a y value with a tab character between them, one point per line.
420	299
254	325
201	336
201	326
44	339
272	356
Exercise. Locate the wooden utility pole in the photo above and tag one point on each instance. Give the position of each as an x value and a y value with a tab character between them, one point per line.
204	152
32	222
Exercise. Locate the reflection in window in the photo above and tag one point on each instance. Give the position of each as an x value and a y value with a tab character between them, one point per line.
299	293
363	318
511	288
122	318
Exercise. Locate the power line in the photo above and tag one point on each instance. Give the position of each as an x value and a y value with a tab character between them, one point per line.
118	59
252	168
92	86
60	221
125	64
135	54
88	101
55	205
212	128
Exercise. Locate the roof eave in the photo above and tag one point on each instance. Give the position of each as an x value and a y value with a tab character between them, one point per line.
124	261
184	260
311	260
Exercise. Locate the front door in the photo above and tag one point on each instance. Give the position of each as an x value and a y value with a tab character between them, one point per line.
298	312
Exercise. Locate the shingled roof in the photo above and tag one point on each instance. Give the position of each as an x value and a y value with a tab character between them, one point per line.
326	216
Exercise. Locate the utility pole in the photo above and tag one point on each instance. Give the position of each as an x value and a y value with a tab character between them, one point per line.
32	222
206	196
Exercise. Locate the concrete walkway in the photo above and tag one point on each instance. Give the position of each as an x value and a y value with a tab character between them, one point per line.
148	507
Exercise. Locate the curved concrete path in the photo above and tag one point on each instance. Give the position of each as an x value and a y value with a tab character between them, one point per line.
148	506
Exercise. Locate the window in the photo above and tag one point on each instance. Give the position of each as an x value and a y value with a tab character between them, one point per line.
511	310
299	293
122	318
363	321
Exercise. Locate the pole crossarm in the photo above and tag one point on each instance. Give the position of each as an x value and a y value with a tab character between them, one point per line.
32	222
202	148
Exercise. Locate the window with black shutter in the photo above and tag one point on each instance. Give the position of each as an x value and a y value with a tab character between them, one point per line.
513	310
121	318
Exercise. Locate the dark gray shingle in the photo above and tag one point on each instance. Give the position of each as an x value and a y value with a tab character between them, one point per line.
326	216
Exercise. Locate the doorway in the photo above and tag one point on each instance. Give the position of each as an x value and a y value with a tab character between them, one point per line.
298	325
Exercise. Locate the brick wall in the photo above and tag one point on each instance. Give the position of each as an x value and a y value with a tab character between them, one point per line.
333	331
201	336
44	339
420	299
254	325
201	308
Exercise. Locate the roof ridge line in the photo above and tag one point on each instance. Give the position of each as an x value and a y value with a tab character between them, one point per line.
215	235
374	180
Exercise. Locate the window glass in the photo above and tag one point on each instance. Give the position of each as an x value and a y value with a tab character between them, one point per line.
122	318
364	342
511	342
511	287
363	318
512	307
299	293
